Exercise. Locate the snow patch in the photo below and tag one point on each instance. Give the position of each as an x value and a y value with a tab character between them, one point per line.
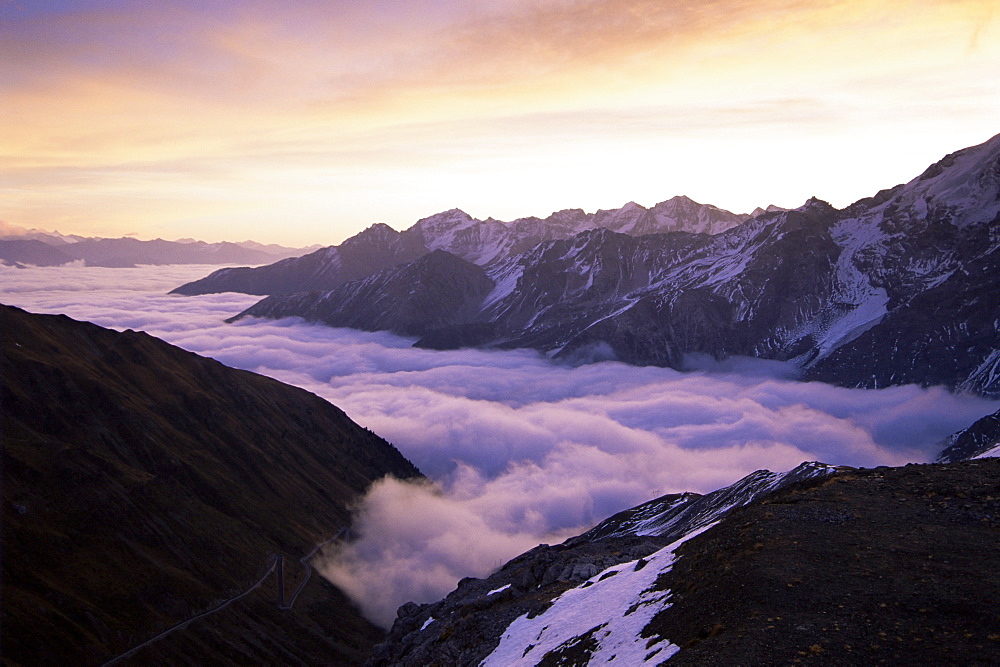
612	608
499	590
990	453
987	375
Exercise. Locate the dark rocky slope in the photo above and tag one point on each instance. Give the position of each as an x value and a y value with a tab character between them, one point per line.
887	565
438	290
378	247
143	484
894	566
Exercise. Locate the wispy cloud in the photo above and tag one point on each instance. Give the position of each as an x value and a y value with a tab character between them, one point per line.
521	450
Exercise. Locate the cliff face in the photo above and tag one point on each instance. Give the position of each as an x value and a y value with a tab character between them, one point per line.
142	484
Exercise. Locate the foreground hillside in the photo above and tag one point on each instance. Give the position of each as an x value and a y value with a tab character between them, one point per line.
821	566
143	484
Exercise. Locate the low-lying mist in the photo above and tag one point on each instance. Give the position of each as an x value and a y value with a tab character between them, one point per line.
520	450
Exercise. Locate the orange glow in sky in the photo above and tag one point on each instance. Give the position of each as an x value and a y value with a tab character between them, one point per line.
305	122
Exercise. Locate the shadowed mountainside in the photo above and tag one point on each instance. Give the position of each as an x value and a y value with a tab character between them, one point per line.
143	484
976	440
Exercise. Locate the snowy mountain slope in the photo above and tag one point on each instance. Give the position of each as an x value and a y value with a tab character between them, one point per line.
674	516
903	287
922	264
485	242
980	439
847	566
548	592
603	619
682	214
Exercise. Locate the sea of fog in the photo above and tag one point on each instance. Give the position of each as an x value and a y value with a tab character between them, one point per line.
521	450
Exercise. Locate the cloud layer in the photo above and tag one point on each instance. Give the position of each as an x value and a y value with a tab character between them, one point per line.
521	450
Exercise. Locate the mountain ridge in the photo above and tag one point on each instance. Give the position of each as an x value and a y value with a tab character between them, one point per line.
868	296
481	242
53	249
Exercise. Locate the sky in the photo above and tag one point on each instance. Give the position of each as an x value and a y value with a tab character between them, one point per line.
520	450
301	122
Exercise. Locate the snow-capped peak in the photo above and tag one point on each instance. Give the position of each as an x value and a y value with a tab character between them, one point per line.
968	180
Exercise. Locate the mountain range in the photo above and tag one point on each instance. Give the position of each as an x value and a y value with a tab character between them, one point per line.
37	248
481	242
901	287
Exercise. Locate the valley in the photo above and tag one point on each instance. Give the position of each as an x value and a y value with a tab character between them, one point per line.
544	380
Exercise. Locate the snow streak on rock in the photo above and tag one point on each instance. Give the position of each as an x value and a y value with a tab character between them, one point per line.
602	619
678	514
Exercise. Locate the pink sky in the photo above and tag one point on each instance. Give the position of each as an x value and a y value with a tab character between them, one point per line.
304	122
